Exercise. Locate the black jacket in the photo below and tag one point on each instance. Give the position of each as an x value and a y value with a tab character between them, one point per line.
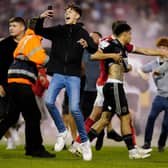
7	47
66	52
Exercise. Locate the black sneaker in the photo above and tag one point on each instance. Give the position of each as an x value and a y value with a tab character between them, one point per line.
161	149
99	142
147	145
41	154
114	135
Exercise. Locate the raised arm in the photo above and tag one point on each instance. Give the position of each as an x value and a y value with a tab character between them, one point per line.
47	32
150	52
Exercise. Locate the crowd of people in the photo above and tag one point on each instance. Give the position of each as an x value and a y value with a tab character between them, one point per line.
96	14
24	70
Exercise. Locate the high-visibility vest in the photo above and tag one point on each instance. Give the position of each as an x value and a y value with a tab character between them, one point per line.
27	56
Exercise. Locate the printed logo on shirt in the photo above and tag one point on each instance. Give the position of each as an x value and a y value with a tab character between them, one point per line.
104	44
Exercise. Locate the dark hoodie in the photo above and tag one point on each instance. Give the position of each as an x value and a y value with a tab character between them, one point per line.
7	47
66	53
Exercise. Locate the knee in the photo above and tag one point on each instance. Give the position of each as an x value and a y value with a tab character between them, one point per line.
104	121
74	109
50	105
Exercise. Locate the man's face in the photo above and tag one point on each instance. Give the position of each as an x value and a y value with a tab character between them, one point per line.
127	36
71	16
16	28
95	37
163	48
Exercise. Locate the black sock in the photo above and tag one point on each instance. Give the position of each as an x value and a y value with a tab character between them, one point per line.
128	141
114	135
92	134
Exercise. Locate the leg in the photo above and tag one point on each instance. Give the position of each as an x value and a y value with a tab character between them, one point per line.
102	122
65	110
124	115
10	140
72	125
156	109
112	134
27	104
98	104
164	130
56	84
97	109
73	90
68	118
95	115
87	102
12	116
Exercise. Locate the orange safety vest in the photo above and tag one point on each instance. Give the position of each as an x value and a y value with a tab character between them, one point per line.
27	56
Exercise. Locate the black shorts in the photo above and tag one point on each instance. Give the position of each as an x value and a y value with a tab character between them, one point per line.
115	99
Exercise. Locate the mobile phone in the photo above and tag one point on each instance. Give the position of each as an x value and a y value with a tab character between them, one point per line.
50	7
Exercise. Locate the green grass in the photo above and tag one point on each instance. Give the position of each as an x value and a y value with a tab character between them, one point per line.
108	157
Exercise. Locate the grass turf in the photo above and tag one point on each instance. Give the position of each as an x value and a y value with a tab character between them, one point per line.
108	157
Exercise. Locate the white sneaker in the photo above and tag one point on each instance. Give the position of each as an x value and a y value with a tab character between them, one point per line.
10	144
86	151
60	141
143	151
75	149
15	136
135	154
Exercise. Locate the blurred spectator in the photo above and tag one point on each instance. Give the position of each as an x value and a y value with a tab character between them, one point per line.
95	12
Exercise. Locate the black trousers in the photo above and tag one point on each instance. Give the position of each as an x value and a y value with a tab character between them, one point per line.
22	100
87	102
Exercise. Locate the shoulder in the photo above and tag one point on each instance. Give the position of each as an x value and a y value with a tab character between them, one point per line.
7	42
106	43
108	38
79	27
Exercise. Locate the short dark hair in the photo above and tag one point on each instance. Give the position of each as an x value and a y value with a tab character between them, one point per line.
115	23
98	33
74	7
31	23
120	28
17	19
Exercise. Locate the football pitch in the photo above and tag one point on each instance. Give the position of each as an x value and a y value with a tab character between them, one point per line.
108	157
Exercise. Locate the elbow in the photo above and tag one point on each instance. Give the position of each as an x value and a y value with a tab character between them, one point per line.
92	50
93	57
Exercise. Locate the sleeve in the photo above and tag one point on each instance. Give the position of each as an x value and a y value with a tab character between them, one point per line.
106	47
36	53
130	47
92	47
48	32
163	68
148	67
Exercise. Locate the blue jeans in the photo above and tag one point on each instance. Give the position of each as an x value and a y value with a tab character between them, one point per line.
159	104
72	85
